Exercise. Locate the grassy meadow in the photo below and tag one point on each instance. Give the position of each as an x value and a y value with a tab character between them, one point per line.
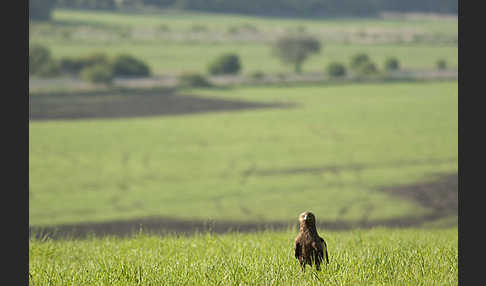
333	152
352	153
360	257
173	42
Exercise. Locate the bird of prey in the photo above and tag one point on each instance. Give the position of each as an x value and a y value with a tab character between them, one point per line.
309	247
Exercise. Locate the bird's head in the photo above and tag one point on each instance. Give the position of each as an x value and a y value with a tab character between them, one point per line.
307	219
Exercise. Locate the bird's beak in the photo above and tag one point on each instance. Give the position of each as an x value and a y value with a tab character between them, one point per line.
305	217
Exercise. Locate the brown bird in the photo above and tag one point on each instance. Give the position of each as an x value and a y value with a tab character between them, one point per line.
309	247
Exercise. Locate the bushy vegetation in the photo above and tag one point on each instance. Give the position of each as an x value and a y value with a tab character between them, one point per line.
185	54
39	56
368	68
392	64
127	65
95	67
295	48
362	65
98	73
336	70
76	65
359	257
441	64
41	62
225	64
191	79
358	60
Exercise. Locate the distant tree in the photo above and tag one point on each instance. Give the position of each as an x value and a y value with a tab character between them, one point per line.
41	9
41	62
225	64
127	65
295	49
358	60
336	70
392	64
441	64
39	56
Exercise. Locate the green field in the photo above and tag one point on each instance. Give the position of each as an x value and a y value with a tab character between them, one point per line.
358	257
332	153
192	40
218	163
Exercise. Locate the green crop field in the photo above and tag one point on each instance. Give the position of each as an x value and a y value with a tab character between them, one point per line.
175	42
338	150
359	257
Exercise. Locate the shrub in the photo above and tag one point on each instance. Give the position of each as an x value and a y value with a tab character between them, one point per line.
392	64
441	64
257	75
225	64
38	57
367	68
50	69
98	74
336	70
126	65
76	65
71	66
358	60
193	80
94	59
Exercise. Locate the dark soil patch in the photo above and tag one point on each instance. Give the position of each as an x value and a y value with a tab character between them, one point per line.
336	169
164	226
440	196
76	106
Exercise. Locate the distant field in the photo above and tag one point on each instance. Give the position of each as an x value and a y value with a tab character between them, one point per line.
371	257
176	42
340	151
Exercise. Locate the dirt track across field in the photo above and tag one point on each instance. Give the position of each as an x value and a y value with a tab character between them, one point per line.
440	196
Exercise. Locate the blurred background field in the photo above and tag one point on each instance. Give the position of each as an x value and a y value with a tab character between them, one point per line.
330	151
175	42
189	113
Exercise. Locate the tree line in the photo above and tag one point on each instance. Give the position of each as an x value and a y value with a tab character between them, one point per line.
40	9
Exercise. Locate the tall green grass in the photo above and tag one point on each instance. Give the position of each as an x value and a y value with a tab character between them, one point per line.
359	257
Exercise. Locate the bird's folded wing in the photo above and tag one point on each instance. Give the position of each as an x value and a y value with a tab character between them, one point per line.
297	249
